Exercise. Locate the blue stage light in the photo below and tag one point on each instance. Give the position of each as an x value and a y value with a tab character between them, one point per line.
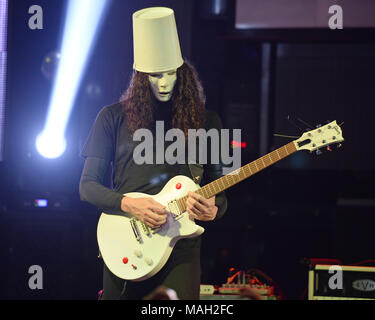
41	203
81	26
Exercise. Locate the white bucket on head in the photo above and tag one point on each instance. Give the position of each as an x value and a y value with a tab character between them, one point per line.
156	43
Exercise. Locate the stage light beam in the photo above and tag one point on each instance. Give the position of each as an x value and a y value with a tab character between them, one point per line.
82	22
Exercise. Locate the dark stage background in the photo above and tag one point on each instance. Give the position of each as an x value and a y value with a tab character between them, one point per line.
305	206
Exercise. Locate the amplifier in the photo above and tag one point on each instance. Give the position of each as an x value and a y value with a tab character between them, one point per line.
329	282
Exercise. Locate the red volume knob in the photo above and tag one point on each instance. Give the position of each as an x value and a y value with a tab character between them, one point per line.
178	186
125	260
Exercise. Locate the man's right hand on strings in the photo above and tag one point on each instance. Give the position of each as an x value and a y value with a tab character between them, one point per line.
147	210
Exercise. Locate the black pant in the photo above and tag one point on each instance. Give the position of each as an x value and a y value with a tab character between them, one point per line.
181	273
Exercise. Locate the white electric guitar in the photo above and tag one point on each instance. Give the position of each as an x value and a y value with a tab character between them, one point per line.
133	251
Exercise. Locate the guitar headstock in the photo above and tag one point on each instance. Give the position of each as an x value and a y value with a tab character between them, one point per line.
324	136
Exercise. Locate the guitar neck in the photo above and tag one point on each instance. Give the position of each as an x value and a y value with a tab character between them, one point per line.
236	176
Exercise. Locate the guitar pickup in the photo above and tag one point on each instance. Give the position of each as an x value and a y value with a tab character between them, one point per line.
146	229
174	209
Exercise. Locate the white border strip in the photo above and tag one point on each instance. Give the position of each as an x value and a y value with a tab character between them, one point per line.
3	69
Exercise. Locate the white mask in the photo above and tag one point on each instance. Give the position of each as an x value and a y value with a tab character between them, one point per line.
162	84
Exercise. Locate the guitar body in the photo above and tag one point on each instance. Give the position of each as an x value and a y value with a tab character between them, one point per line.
139	258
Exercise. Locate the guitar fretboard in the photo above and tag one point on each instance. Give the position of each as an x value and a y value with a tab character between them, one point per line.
236	176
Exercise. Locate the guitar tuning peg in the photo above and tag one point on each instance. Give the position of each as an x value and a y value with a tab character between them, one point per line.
318	125
318	152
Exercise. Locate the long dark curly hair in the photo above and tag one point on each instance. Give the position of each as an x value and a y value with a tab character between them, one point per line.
188	101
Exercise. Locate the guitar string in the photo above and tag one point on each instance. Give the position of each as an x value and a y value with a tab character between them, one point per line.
274	156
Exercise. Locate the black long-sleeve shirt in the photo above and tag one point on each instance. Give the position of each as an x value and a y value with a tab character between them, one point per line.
110	142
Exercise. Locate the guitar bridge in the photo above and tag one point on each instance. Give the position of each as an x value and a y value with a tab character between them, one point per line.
133	223
146	229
